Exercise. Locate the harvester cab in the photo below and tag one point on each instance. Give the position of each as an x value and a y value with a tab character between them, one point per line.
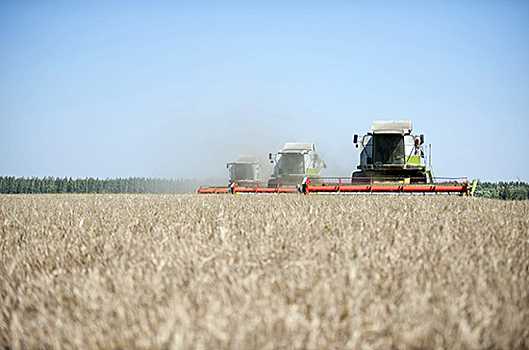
245	169
391	150
296	161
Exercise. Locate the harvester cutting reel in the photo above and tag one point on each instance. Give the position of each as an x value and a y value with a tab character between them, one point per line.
250	187
459	185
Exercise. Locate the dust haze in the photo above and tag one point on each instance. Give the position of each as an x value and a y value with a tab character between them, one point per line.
195	148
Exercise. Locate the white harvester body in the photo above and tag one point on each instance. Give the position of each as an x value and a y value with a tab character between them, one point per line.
391	149
245	169
294	162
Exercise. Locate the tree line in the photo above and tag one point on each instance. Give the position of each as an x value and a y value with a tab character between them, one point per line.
10	184
503	190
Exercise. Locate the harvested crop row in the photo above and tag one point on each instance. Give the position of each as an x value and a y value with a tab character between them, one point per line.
266	271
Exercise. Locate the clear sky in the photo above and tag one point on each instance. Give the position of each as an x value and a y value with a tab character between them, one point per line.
177	89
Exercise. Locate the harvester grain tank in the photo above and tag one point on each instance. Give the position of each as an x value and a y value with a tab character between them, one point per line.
294	162
391	150
245	169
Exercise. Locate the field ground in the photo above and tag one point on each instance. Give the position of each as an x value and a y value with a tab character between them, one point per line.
263	272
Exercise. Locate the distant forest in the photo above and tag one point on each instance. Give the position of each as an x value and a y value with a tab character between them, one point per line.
10	184
503	190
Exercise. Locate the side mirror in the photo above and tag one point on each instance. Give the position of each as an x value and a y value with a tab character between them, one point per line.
422	138
270	156
227	165
355	138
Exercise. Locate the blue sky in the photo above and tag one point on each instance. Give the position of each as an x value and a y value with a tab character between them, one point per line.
178	89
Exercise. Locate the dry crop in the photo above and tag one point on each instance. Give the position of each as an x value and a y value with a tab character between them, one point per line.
263	272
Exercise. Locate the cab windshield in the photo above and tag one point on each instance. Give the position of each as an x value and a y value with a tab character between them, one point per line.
389	149
242	172
292	164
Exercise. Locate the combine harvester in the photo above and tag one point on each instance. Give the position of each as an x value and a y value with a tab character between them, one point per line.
295	162
392	160
245	170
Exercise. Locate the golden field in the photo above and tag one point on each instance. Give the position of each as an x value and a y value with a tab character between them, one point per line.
263	272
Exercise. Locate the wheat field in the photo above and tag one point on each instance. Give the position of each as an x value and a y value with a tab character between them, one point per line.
263	272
